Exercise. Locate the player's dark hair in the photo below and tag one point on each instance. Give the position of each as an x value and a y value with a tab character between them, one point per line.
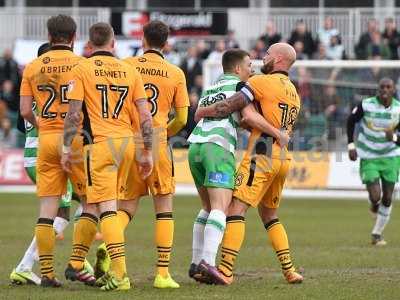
61	29
231	58
156	34
43	49
100	34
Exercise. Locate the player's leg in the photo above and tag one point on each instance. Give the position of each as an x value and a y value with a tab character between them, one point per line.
198	231
112	177
198	174
233	238
268	211
369	173
161	184
252	180
219	180
389	177
51	184
85	227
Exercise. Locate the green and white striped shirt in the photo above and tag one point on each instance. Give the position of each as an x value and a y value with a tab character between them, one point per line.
31	143
220	131
371	141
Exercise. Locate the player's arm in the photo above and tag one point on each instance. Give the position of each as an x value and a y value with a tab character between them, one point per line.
181	104
178	122
255	120
71	123
146	126
393	135
25	107
26	98
355	117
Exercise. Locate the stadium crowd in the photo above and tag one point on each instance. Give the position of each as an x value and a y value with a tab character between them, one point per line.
325	104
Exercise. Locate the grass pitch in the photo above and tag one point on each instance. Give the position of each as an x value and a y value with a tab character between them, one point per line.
329	239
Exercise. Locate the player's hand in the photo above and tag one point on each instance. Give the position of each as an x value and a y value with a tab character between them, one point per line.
198	115
145	164
389	135
353	154
283	139
66	161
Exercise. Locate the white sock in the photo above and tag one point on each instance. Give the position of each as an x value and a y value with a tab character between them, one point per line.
29	258
60	224
198	236
382	218
213	234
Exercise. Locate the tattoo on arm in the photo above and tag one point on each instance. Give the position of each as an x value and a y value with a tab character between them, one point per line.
72	121
146	123
234	103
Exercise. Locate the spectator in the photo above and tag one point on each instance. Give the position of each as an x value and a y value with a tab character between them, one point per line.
216	57
203	49
335	112
301	34
170	54
365	40
299	47
392	36
216	54
325	33
378	48
321	52
231	41
8	96
271	36
335	50
259	50
9	69
191	66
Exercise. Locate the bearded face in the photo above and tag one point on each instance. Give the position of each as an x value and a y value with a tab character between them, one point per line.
268	66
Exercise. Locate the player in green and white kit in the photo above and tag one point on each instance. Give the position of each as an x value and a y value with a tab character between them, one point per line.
23	274
212	161
378	149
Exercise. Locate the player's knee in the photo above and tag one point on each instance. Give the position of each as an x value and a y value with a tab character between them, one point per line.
237	208
162	203
63	212
130	206
387	200
267	214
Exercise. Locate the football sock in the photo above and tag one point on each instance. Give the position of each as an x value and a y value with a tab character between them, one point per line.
29	258
213	233
198	236
31	254
382	218
84	231
164	235
124	218
113	236
279	240
45	237
60	224
231	244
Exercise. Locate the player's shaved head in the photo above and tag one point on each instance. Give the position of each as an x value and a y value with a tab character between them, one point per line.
279	57
286	51
101	34
386	81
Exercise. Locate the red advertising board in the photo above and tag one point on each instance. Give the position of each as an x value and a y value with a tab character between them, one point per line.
12	171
